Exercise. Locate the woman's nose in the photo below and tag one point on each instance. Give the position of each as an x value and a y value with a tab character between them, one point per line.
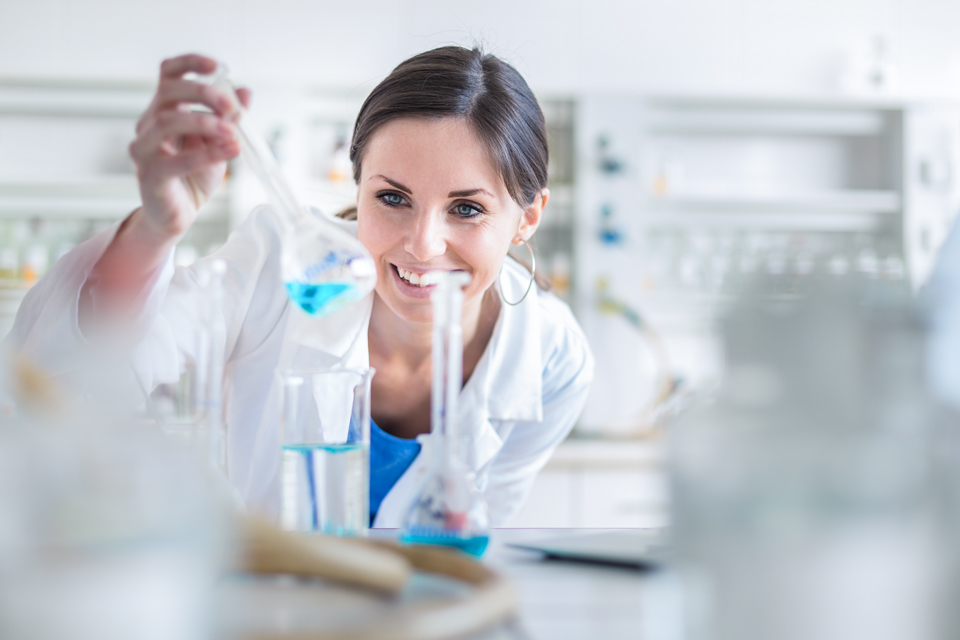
425	239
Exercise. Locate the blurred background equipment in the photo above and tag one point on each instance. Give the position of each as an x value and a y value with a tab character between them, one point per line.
709	191
817	498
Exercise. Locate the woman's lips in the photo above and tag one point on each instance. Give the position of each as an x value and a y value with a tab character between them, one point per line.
412	290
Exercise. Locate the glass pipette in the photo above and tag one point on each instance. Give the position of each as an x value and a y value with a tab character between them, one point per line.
448	509
323	267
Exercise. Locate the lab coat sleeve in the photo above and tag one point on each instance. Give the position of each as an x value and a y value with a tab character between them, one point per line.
567	374
46	329
253	303
47	325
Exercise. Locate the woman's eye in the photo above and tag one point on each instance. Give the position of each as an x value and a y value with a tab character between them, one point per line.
392	199
466	210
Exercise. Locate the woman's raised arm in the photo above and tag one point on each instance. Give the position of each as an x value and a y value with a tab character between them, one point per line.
181	157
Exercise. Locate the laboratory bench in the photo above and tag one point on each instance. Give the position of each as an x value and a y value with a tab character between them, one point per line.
600	483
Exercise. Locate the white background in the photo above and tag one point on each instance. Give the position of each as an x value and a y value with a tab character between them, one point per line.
562	46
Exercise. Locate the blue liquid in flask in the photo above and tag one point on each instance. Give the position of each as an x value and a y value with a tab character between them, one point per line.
322	298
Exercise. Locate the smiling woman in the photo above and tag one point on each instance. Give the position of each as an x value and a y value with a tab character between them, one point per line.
450	157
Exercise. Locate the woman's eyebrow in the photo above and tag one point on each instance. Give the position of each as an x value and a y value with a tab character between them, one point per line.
469	192
395	184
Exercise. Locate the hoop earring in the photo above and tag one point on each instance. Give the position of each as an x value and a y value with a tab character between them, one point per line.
533	275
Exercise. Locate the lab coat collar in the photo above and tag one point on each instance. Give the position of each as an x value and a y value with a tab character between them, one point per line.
510	371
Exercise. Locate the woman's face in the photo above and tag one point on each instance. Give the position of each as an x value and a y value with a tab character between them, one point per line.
431	199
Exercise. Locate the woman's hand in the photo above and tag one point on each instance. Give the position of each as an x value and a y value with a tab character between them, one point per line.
181	155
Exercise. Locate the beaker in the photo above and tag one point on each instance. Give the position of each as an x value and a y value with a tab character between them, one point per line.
190	411
325	451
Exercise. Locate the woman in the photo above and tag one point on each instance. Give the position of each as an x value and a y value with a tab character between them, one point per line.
450	159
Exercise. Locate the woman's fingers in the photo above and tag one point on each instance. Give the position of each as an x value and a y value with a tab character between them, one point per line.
191	161
168	126
245	96
175	92
176	67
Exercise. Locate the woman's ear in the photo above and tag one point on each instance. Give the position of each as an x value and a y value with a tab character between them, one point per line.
530	219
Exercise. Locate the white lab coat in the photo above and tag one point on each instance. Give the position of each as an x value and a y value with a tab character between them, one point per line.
521	400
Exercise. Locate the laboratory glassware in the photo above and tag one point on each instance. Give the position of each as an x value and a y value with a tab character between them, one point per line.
448	509
323	267
325	451
190	411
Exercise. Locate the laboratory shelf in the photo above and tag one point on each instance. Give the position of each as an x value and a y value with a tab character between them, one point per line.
760	121
94	198
804	102
850	200
57	97
770	220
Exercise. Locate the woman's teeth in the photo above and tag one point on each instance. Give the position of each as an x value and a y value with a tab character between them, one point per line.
419	279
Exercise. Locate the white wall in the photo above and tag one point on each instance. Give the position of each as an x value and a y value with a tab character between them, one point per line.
793	46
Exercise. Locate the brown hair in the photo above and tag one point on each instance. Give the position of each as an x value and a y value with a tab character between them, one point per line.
482	89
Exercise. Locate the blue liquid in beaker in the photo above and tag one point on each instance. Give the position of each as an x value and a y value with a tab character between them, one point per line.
321	298
324	488
475	546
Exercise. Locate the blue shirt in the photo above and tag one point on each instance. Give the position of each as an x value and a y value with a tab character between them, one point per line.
390	457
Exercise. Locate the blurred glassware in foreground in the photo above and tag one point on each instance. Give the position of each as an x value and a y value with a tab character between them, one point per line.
106	532
190	411
818	497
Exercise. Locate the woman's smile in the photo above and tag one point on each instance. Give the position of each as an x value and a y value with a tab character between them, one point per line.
417	283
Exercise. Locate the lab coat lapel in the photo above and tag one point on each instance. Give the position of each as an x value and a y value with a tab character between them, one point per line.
512	366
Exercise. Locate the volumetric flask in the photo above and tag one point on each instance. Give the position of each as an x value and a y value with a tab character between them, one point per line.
325	451
448	509
323	267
